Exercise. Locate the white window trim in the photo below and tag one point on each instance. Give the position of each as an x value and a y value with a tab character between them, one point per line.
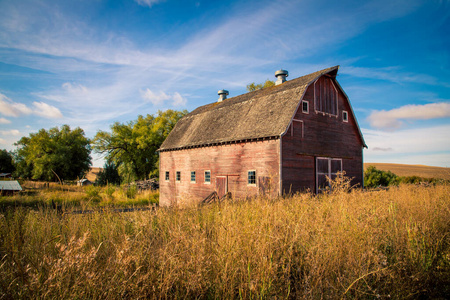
307	107
251	184
195	177
329	169
165	177
204	181
344	112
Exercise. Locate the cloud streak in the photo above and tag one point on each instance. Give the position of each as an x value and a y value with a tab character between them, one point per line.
148	3
4	121
13	109
392	119
161	97
408	145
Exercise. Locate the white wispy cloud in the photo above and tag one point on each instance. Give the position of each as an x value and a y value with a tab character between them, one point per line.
392	73
428	145
148	3
161	97
47	111
4	121
13	132
14	109
392	119
75	88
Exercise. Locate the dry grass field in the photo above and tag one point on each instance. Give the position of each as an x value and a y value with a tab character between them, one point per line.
412	170
389	244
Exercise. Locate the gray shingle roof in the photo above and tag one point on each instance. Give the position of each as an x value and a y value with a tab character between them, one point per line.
260	114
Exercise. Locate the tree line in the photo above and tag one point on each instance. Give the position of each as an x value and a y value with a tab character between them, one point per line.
129	149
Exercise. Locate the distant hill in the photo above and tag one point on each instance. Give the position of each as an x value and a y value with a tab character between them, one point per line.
92	175
412	170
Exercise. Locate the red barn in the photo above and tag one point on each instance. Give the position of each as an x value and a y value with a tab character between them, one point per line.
277	140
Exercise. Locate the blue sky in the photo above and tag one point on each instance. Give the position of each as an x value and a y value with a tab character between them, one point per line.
89	63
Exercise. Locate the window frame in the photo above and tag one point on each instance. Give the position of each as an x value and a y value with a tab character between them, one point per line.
193	177
254	178
328	173
167	176
178	176
307	107
345	116
207	182
302	125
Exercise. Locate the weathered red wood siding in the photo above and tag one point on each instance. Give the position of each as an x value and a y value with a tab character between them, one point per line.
234	160
323	136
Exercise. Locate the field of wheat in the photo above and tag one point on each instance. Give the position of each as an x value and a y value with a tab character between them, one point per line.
412	170
358	244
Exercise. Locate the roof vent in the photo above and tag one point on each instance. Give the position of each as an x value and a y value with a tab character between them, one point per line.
222	95
281	76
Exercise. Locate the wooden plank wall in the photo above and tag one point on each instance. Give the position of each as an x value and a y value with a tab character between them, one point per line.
323	136
234	160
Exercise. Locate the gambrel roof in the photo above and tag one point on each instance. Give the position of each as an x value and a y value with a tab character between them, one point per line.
261	114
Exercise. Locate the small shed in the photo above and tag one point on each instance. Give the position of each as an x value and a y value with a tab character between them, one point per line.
9	187
84	182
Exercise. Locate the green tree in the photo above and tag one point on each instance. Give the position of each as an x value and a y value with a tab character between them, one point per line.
6	162
64	152
133	146
109	175
253	87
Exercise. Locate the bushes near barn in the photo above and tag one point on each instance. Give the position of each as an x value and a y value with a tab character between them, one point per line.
377	178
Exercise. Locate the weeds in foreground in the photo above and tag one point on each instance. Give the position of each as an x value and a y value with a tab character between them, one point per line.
385	244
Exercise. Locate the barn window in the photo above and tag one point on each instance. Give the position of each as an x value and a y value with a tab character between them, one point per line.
167	175
305	107
252	177
325	96
297	128
326	167
345	116
178	178
193	176
207	176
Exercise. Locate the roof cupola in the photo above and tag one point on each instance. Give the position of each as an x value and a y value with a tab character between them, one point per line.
281	76
222	95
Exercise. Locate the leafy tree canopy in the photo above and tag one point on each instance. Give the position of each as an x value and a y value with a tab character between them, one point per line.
6	162
62	151
109	175
132	147
253	87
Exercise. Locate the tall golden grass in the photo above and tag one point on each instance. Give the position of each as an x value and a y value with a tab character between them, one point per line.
42	194
384	244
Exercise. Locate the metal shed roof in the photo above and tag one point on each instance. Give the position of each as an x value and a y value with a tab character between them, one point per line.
12	185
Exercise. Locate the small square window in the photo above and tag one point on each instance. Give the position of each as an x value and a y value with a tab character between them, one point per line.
193	176
251	177
178	178
345	116
167	176
305	107
207	176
